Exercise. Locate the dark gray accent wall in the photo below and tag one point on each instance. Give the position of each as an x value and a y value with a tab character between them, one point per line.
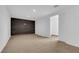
21	26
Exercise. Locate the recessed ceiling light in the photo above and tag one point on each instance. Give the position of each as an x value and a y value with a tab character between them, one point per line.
34	10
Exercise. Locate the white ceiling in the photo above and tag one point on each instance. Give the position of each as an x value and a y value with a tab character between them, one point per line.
31	12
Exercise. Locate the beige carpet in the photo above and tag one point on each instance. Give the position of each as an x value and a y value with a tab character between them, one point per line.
31	43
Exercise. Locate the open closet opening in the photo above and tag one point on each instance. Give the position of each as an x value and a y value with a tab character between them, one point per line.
21	26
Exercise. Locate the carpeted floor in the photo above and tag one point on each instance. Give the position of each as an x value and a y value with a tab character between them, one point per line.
31	43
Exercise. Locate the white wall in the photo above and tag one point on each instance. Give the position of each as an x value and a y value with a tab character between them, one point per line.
54	25
69	25
42	26
47	25
4	26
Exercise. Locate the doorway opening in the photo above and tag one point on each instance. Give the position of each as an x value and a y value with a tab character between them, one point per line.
54	25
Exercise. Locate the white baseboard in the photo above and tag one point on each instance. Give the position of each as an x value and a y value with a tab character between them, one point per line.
4	44
70	43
